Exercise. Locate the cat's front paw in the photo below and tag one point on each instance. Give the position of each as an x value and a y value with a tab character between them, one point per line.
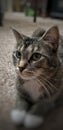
32	121
18	116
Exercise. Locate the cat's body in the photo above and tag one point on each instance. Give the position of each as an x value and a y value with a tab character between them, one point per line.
39	82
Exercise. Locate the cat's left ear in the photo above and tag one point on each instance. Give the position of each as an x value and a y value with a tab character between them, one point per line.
19	37
52	37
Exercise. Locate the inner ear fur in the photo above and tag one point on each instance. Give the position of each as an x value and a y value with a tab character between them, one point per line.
51	36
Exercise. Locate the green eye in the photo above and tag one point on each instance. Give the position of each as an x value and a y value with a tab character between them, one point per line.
18	54
36	56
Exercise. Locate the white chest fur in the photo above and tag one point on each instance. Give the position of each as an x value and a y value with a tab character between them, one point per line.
32	87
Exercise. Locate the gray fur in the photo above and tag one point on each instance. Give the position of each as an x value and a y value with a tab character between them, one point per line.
39	79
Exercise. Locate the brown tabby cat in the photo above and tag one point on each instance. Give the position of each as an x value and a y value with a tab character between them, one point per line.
39	75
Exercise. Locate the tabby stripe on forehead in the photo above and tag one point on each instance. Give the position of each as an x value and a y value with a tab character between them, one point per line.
35	48
30	48
22	47
28	42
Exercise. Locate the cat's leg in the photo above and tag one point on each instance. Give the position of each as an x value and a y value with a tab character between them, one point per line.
19	113
35	116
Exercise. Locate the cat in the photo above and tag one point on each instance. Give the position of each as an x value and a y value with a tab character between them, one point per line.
38	63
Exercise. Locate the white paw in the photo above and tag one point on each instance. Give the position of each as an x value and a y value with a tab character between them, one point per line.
32	121
18	116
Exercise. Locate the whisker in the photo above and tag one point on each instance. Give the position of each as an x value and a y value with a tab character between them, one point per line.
53	86
48	77
45	78
48	85
44	87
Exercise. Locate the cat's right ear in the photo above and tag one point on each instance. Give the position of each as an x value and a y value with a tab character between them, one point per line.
19	37
51	36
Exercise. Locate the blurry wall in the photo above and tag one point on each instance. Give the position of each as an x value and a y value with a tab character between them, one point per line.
7	5
18	5
13	5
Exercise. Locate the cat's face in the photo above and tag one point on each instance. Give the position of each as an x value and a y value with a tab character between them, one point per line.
34	57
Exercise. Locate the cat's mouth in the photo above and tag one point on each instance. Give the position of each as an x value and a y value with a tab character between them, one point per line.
26	74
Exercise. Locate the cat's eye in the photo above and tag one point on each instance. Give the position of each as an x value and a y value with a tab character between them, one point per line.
36	56
18	54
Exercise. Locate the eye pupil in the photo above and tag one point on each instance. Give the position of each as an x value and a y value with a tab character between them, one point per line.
18	54
36	56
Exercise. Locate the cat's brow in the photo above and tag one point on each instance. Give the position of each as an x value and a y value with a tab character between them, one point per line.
36	48
28	42
22	47
30	48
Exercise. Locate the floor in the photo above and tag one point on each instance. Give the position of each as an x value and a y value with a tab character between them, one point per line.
54	120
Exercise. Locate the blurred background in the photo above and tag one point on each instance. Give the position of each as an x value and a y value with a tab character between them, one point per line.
42	8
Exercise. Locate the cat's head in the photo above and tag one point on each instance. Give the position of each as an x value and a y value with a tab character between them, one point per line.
34	57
